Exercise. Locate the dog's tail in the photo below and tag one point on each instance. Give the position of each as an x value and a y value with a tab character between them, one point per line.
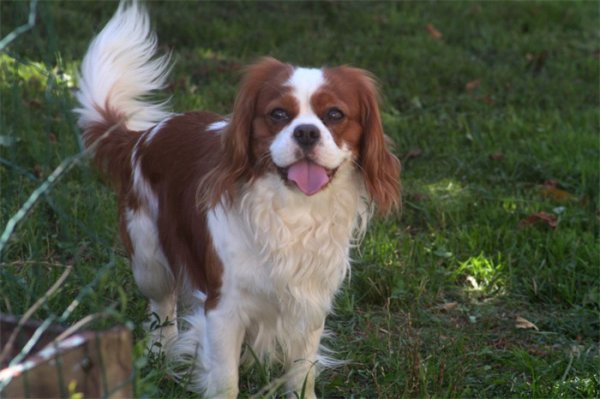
119	70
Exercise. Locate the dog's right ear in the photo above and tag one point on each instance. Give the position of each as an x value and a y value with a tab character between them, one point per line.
381	169
236	162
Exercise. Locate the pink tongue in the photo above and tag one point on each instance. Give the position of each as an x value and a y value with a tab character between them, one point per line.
308	176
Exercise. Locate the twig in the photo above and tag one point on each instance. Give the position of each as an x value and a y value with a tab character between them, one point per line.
566	373
32	262
271	388
46	323
21	29
63	167
32	310
18	169
51	202
60	170
80	323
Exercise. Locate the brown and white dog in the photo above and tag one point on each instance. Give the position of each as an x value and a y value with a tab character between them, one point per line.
246	221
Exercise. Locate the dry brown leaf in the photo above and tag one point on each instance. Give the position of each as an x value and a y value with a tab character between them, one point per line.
550	220
550	190
489	100
447	306
497	156
523	323
557	194
414	153
37	171
418	197
433	32
472	85
52	138
34	104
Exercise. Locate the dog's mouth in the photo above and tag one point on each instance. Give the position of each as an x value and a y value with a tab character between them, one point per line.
308	176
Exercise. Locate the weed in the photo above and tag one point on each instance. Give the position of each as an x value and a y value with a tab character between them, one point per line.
492	108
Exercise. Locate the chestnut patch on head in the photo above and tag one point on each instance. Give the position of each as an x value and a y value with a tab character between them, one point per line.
246	139
275	109
354	92
336	105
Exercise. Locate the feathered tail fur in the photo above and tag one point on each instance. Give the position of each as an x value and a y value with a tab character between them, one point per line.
120	68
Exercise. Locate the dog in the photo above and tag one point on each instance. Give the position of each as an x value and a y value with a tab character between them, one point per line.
242	223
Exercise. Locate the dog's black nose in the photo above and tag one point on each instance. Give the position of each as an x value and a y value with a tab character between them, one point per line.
307	135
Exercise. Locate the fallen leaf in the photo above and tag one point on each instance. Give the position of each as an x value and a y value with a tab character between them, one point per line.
525	324
550	220
419	197
447	306
497	156
500	343
556	194
487	99
34	104
37	171
52	138
433	32
475	9
472	85
550	190
536	61
381	19
414	153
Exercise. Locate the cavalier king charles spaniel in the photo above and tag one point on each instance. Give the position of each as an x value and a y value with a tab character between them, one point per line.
242	225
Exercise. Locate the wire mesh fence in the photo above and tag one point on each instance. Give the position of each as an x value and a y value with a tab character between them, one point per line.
73	349
64	363
523	93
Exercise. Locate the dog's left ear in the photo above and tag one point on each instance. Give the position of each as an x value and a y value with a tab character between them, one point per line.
381	169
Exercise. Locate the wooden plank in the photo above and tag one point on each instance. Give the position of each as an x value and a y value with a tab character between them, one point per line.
95	364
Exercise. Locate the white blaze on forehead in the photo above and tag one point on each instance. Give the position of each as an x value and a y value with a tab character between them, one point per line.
304	83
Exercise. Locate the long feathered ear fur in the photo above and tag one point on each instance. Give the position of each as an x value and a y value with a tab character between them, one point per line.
381	169
236	162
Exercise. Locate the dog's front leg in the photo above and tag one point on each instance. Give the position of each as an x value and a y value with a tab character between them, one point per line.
301	367
224	335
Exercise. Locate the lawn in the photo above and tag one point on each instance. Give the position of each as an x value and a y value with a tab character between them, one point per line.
485	284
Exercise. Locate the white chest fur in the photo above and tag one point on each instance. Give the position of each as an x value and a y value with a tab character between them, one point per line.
285	254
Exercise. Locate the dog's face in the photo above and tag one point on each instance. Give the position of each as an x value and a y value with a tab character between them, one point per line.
304	124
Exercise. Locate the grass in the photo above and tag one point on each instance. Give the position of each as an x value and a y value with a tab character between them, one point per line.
495	121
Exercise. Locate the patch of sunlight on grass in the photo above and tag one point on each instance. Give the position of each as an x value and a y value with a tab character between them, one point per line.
209	54
380	246
35	72
509	205
482	273
573	387
446	188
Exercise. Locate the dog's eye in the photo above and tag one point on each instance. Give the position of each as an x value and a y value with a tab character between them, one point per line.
334	115
279	115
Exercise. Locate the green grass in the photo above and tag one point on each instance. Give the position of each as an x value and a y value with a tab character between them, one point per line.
483	118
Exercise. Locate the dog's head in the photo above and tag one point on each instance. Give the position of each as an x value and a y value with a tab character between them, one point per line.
304	124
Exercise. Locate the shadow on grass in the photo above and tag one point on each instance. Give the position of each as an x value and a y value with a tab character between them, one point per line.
432	306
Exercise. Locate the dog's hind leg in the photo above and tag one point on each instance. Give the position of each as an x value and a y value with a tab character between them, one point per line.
154	278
